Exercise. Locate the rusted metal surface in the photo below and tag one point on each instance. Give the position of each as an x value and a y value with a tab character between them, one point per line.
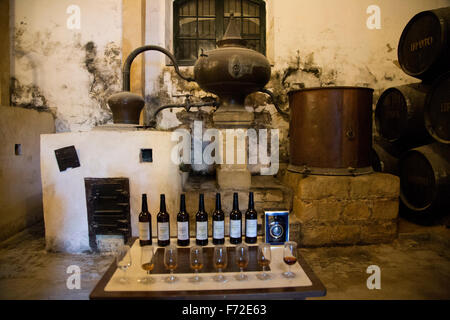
437	110
423	49
399	113
126	107
425	178
331	130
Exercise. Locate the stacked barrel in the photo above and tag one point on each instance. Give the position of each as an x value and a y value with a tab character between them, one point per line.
413	120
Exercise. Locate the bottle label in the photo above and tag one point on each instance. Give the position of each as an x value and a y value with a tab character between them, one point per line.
251	227
235	229
144	231
202	230
218	229
163	231
183	230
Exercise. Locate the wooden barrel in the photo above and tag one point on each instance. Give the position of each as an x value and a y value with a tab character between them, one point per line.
330	130
399	113
437	110
425	179
423	48
383	161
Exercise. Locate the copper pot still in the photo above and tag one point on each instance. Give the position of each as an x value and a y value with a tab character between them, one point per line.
331	131
232	71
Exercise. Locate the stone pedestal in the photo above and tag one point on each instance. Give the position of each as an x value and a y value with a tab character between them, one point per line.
233	116
345	210
234	174
236	177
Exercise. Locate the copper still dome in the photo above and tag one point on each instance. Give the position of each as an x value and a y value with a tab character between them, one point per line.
232	70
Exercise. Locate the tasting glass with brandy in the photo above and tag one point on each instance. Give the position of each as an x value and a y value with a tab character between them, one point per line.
290	257
147	263
220	262
196	258
264	256
242	261
171	261
123	261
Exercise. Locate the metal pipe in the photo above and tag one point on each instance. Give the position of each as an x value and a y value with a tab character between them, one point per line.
272	97
187	106
136	52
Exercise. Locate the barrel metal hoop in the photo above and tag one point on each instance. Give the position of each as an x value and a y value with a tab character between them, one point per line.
411	207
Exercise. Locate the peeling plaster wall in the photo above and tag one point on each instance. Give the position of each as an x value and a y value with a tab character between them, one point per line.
68	71
328	42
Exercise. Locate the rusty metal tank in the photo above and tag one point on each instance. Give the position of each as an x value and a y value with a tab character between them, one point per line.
232	71
331	130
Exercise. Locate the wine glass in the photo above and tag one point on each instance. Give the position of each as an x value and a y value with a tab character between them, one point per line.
147	262
196	258
123	261
171	261
242	261
290	257
264	256
220	262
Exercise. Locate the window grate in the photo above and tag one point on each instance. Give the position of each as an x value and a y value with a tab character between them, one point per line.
198	24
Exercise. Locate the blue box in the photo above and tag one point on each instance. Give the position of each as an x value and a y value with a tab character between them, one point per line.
276	223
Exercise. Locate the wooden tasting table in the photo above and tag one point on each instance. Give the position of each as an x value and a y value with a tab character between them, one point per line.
304	285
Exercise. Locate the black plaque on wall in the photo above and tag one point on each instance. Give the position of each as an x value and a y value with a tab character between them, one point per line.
67	158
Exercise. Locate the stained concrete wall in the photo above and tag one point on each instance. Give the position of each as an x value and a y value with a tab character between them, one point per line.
20	174
56	65
328	42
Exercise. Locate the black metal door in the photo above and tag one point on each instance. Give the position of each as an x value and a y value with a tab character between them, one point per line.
108	207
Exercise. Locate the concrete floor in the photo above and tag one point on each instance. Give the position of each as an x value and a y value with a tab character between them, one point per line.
415	266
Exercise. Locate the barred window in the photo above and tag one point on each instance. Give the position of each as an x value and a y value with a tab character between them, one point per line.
198	24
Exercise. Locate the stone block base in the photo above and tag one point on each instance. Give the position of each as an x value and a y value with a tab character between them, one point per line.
237	179
233	117
330	210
